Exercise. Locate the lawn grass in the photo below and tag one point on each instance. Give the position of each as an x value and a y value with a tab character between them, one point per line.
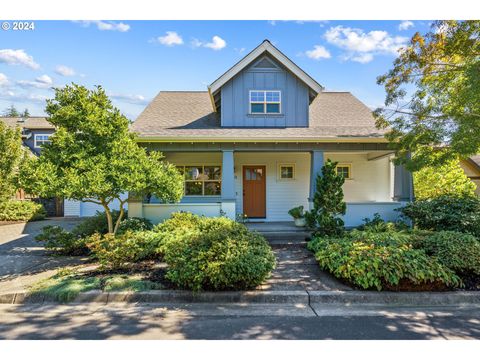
67	284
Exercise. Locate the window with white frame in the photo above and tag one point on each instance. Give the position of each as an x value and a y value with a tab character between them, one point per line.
265	102
286	171
345	170
41	139
201	180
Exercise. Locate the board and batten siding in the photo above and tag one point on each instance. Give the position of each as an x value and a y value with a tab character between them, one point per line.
235	111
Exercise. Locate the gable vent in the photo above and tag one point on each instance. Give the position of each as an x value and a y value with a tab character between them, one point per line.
265	64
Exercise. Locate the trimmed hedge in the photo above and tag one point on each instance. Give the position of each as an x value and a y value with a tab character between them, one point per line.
460	252
213	253
56	239
116	252
16	210
381	260
449	213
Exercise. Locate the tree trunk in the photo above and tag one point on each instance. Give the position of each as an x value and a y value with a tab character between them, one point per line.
109	217
120	217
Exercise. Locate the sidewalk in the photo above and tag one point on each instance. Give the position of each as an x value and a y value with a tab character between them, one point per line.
23	261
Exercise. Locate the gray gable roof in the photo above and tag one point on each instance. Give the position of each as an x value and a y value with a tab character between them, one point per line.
176	116
33	122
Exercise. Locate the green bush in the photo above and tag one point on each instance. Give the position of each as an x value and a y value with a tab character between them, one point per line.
94	224
446	213
380	260
458	251
16	210
134	224
214	253
57	239
328	203
116	252
377	224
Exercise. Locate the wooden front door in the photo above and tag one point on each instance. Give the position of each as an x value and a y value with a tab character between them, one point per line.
254	200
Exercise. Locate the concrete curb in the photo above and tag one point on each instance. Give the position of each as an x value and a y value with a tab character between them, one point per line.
259	297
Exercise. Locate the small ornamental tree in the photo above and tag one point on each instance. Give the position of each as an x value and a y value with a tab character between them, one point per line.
445	179
93	157
328	203
12	154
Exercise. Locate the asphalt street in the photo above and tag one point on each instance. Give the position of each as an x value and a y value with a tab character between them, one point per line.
236	322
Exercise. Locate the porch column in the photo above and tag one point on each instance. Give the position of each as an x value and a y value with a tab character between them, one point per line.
402	184
316	163
228	184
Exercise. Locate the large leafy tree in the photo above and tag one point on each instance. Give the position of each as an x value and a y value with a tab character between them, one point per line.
447	179
93	157
12	155
433	95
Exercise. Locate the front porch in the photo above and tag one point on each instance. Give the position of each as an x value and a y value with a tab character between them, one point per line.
264	181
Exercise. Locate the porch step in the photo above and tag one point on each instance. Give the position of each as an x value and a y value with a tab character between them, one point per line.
285	237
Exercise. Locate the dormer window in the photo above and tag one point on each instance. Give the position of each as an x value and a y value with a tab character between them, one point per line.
265	102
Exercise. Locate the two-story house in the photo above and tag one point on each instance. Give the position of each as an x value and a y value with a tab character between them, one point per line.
36	131
254	142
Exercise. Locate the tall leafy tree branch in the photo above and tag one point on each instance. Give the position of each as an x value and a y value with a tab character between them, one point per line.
433	96
93	157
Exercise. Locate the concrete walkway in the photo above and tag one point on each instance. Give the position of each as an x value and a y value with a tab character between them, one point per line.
23	261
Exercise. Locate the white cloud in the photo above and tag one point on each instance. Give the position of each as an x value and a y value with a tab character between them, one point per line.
64	70
129	98
217	43
106	25
171	38
41	82
17	57
362	58
3	80
23	97
405	25
318	52
362	46
240	50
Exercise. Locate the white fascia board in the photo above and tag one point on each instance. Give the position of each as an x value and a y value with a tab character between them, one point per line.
275	53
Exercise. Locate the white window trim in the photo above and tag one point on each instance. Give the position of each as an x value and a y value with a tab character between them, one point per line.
279	171
265	102
349	166
204	181
35	140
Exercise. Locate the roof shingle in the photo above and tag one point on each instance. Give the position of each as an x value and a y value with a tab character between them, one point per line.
189	115
34	122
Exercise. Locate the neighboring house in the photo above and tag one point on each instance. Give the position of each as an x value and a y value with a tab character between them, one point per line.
471	166
254	142
36	131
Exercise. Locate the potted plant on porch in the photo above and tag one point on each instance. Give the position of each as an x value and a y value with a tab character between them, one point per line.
298	215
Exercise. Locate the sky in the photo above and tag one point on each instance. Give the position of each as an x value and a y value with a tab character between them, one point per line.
134	60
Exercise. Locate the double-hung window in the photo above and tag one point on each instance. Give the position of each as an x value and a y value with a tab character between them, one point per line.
265	102
41	139
202	180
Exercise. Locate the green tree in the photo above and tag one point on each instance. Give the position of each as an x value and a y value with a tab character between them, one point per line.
25	113
12	155
445	179
11	111
433	95
93	157
328	202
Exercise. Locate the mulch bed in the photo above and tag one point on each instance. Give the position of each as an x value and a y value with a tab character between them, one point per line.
149	270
